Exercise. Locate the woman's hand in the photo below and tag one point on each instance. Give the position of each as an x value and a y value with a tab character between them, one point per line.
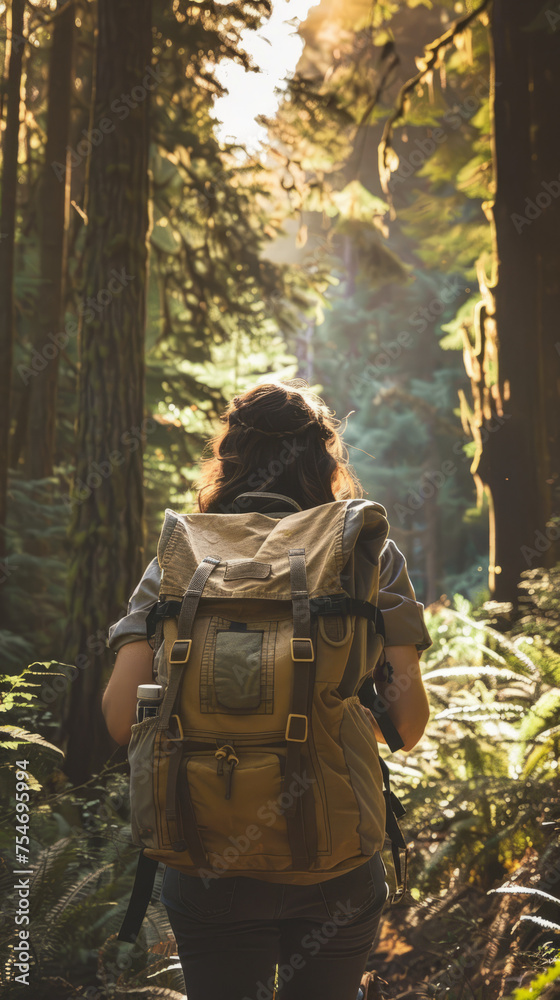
133	666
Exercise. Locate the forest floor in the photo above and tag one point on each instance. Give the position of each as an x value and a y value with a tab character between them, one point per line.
469	945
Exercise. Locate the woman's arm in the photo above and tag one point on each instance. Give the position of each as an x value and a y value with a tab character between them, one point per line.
133	666
409	709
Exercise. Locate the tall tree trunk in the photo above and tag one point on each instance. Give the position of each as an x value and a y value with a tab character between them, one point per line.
106	532
52	200
431	521
514	362
7	240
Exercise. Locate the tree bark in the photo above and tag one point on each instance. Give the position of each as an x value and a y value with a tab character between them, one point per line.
514	363
7	240
431	520
106	531
52	201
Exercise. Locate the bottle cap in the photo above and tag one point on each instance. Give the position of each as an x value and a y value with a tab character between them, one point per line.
149	692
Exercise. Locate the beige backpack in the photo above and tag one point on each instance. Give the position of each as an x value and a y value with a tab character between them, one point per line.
261	761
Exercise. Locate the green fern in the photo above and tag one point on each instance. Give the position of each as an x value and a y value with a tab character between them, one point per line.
20	737
538	985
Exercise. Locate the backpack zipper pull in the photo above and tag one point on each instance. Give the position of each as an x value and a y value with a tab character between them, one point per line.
232	761
220	756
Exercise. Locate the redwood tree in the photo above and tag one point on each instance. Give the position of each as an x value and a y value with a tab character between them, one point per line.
106	531
7	238
52	203
515	360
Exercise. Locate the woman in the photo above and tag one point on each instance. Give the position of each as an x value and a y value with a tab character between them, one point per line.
278	437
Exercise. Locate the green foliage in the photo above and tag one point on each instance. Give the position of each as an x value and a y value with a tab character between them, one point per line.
81	868
539	985
481	787
474	760
35	568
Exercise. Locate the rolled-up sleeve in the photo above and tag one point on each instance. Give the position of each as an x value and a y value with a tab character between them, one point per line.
132	627
403	615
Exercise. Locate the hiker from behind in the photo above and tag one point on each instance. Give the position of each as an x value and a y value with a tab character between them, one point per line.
259	783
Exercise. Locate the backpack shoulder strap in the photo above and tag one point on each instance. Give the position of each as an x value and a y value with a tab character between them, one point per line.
141	894
394	810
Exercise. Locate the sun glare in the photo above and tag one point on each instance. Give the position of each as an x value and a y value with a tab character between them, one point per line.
276	49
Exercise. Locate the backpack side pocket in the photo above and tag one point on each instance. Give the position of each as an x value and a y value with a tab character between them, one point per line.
361	754
143	811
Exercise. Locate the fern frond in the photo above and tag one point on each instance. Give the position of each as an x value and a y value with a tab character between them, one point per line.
90	883
500	638
547	924
471	671
21	737
542	714
152	991
525	890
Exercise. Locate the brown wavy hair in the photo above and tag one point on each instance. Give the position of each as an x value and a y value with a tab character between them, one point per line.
278	437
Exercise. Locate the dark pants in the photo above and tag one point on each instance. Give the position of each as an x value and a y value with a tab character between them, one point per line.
231	933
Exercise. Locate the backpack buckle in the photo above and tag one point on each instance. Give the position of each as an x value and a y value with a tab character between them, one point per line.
180	651
302	659
331	604
294	724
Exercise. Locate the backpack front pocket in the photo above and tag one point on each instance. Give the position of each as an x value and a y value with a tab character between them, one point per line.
237	667
245	791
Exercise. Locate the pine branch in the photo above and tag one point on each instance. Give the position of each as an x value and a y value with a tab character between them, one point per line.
431	56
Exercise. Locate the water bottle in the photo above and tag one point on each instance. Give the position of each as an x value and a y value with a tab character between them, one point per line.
149	698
